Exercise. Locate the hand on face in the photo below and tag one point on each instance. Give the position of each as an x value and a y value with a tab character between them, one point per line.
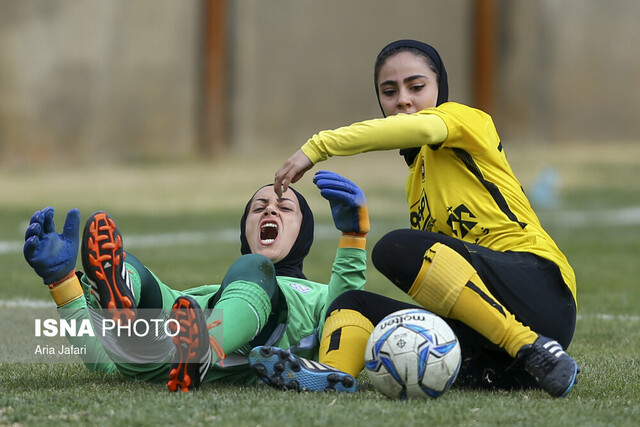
273	223
406	84
293	169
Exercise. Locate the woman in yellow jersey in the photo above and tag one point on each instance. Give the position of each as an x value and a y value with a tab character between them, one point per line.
476	253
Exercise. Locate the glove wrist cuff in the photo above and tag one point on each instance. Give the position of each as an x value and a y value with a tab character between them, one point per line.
363	219
66	290
353	240
63	279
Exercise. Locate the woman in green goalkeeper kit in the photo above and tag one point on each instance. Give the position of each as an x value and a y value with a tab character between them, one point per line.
264	298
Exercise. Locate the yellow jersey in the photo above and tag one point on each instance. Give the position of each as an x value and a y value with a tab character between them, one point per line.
460	184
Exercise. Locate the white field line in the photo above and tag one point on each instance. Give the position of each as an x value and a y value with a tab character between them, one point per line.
36	303
621	217
609	317
569	219
185	238
608	217
26	303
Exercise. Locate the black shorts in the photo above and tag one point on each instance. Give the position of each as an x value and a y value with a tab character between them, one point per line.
530	287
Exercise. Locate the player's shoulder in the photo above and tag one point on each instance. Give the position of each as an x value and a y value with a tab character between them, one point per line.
456	108
457	115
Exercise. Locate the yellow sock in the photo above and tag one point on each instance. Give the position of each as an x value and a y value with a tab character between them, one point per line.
344	339
450	287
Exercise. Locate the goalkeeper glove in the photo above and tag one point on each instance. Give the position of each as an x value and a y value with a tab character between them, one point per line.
52	255
347	201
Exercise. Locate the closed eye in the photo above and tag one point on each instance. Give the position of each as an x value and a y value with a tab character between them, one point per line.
258	207
286	205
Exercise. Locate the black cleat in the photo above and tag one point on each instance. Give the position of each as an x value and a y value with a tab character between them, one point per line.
553	369
284	370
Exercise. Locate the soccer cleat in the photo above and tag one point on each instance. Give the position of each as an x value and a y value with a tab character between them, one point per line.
192	358
284	370
103	262
553	369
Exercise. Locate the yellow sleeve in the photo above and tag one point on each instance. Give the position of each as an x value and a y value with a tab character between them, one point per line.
468	128
393	132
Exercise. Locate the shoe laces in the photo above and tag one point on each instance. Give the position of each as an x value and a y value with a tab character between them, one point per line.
540	357
214	342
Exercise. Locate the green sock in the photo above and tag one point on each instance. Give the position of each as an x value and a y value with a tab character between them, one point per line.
245	308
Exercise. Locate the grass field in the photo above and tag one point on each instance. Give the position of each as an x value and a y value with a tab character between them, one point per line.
181	221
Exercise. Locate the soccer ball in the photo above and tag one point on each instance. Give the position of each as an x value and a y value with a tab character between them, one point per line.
412	353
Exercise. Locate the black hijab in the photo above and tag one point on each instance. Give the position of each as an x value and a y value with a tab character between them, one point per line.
443	85
291	265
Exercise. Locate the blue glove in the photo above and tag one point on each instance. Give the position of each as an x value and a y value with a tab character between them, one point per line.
348	204
52	255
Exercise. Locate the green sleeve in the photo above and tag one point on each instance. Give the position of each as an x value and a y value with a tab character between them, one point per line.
308	301
348	272
95	358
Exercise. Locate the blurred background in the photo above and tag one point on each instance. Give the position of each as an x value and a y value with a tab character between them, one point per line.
170	113
164	80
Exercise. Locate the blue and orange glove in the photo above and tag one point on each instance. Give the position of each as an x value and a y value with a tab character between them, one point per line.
52	255
348	204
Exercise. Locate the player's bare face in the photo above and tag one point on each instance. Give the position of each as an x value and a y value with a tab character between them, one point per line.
273	223
406	84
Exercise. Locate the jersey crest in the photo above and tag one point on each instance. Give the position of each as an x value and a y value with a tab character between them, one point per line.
420	215
300	288
461	221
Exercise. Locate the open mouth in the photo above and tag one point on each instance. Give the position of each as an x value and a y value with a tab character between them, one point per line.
268	233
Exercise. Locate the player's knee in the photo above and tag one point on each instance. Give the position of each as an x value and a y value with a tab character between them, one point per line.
398	256
351	300
384	251
254	268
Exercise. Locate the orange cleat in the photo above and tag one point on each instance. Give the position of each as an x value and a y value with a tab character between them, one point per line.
103	262
193	356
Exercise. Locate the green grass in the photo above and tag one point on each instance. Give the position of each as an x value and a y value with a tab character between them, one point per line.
606	343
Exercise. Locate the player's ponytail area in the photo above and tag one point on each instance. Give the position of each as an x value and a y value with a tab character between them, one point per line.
182	220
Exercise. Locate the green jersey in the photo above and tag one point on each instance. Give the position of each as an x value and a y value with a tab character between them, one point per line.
306	302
